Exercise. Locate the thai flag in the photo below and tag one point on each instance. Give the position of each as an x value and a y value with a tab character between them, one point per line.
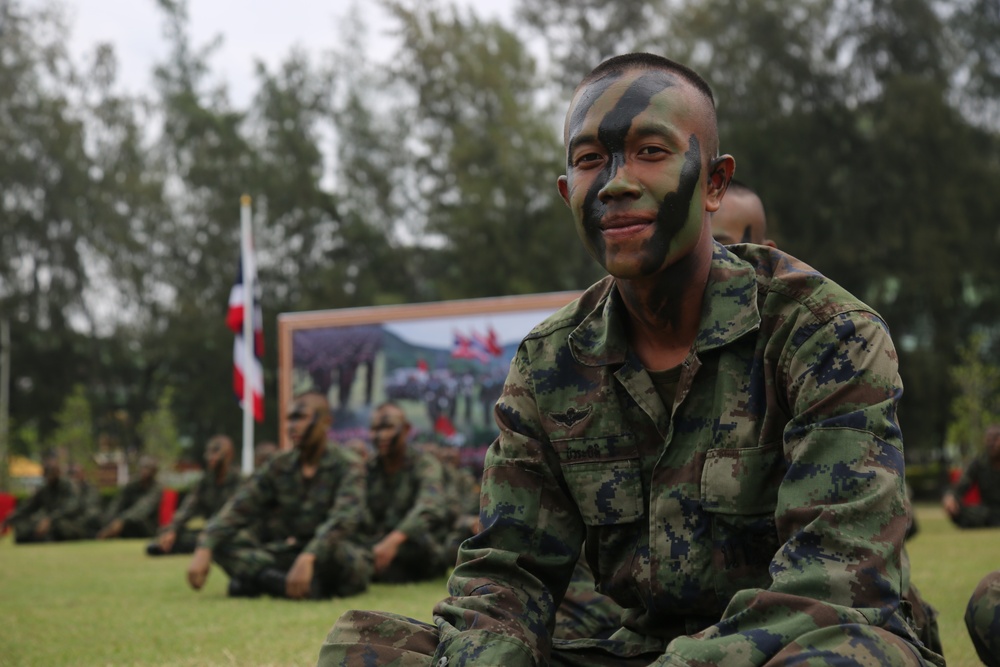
476	346
243	368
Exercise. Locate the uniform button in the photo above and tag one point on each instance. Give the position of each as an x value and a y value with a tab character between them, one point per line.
443	662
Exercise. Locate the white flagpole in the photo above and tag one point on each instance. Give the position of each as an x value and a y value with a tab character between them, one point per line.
246	245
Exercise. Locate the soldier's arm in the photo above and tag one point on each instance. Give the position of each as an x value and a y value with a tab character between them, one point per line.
246	504
347	511
840	513
187	510
146	505
505	587
430	507
69	503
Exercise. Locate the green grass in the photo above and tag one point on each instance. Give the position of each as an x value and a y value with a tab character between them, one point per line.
105	603
947	563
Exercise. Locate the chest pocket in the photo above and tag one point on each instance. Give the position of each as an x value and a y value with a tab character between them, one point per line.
604	477
742	481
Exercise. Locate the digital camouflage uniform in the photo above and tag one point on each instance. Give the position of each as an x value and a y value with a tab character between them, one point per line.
277	515
413	501
138	506
462	494
987	513
583	611
202	502
91	508
758	520
982	618
59	503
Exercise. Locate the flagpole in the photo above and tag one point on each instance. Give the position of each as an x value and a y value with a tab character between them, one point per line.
246	245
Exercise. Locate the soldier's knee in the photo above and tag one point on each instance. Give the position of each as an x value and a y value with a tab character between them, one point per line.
849	645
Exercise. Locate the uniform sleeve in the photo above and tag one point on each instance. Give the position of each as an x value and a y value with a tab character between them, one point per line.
430	508
145	506
511	575
841	513
347	511
246	506
69	505
188	507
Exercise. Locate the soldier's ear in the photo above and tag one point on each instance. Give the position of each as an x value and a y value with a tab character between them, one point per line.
720	173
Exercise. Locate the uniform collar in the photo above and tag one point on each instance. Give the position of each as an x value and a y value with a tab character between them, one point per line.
729	311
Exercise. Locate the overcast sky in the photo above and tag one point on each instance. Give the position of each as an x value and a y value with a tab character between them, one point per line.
251	29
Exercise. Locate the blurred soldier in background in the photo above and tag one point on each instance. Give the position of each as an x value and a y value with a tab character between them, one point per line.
135	510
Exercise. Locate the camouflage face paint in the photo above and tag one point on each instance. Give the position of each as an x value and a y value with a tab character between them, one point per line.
652	108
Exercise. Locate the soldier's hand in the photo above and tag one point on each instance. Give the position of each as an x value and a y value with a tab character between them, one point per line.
387	548
299	578
166	541
198	569
43	527
113	529
951	504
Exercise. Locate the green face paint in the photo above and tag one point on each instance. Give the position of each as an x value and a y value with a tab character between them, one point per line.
634	167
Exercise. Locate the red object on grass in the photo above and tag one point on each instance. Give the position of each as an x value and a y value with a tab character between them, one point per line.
972	497
7	504
168	504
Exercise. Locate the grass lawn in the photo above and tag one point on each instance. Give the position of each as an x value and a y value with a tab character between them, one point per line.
106	603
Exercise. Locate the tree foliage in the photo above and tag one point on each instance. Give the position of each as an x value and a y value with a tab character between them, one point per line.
74	432
976	404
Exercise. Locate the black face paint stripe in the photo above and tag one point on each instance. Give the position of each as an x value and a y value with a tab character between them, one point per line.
612	133
673	211
588	96
747	235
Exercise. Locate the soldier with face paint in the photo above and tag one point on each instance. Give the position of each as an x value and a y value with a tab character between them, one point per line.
716	426
53	513
407	503
215	487
290	530
741	217
135	510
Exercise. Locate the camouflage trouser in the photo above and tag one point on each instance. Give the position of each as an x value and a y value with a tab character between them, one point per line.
982	618
418	559
59	530
584	612
346	570
390	640
977	516
138	528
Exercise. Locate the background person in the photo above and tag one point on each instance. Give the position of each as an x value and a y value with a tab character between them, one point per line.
216	486
290	530
134	512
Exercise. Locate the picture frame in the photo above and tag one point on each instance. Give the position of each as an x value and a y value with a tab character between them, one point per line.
443	362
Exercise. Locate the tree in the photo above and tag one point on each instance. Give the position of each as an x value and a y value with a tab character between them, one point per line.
158	431
74	433
976	404
484	159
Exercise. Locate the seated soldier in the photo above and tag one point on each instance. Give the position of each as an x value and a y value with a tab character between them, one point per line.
52	514
215	487
983	472
462	493
135	510
91	507
406	503
713	426
288	530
